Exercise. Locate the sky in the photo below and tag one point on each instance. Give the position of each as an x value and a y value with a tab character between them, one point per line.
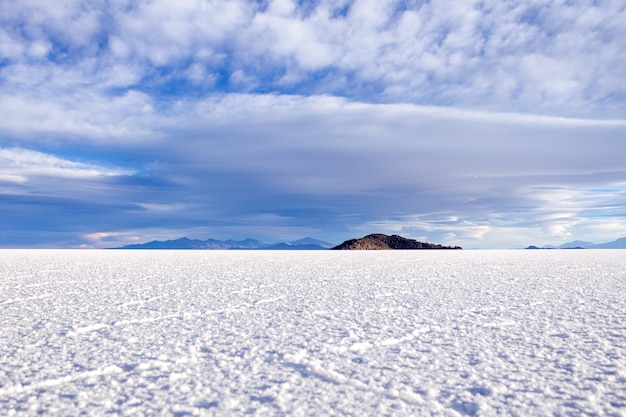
484	124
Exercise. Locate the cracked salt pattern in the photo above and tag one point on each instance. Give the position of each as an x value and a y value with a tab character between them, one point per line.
313	333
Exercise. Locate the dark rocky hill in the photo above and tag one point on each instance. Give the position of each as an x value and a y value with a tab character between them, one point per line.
380	241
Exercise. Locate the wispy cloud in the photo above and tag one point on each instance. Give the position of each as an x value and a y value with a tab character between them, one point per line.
30	165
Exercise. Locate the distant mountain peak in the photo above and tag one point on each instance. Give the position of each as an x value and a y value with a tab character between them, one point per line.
310	241
379	241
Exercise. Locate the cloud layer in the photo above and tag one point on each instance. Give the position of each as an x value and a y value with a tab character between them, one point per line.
557	58
486	124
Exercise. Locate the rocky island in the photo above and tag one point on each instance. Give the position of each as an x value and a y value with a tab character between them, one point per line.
379	241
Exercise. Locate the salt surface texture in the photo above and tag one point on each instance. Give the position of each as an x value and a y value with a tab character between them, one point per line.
313	333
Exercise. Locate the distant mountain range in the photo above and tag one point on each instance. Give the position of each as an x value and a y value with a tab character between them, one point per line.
250	244
380	241
581	244
369	242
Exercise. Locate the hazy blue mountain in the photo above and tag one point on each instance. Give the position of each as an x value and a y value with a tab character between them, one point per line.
291	246
306	243
576	244
246	244
615	244
311	241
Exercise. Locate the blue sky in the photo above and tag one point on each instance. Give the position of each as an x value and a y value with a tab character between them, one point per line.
485	124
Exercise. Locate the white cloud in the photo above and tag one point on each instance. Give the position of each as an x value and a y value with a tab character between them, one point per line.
20	165
74	21
198	74
5	177
163	32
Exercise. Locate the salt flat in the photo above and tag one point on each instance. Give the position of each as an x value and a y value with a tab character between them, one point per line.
313	333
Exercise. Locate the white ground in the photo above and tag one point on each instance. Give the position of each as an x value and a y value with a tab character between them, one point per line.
313	333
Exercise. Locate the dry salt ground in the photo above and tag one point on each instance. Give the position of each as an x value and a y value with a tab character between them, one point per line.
443	333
